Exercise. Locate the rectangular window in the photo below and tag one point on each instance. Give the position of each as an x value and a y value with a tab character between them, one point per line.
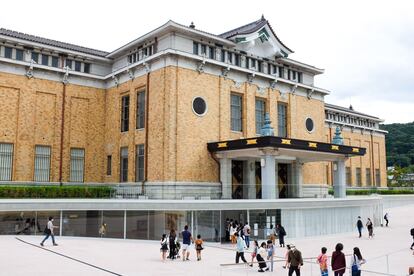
35	57
281	72
368	177
294	75
223	56
124	165
42	164
230	57
86	68
195	48
130	59
358	177
348	176
141	109
150	50
78	66
203	50
300	77
377	177
8	52
145	52
237	59
6	161
19	54
45	60
212	52
55	61
125	113
259	66
109	165
253	63
281	120
236	112
140	161
77	164
260	113
289	74
68	63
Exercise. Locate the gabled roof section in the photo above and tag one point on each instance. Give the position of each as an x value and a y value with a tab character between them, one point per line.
53	43
250	28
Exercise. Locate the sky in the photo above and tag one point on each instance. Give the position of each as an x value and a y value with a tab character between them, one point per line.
366	47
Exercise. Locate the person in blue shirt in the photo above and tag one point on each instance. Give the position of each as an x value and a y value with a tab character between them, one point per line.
240	248
187	239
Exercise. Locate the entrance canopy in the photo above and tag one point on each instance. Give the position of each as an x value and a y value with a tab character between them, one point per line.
291	148
272	150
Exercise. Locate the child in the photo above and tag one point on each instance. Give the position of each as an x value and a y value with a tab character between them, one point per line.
199	246
322	260
164	247
254	253
270	253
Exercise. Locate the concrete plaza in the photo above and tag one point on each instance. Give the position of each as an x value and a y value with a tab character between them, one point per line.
136	257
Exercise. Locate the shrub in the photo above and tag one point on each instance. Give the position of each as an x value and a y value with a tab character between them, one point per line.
55	191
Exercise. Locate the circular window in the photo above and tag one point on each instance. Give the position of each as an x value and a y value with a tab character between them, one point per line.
199	106
309	124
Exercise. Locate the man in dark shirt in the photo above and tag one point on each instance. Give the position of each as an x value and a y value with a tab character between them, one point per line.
187	239
359	226
295	260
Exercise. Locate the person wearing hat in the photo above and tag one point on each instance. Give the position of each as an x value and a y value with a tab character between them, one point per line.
295	260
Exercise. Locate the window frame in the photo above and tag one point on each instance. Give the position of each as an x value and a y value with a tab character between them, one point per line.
8	50
234	118
262	117
281	117
140	110
49	159
19	52
139	156
8	157
122	169
72	160
125	113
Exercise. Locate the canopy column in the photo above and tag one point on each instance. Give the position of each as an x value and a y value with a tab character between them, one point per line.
339	175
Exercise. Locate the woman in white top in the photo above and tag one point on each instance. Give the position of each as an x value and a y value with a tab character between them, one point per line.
233	229
356	261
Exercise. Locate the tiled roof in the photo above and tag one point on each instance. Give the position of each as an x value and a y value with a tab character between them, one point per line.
250	28
341	108
53	43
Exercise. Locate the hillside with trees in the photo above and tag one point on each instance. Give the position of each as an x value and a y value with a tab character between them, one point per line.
400	144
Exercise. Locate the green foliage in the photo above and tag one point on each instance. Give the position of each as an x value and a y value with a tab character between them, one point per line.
376	191
7	191
399	143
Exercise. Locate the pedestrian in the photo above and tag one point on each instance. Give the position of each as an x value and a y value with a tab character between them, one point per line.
412	234
164	247
386	219
199	246
338	261
102	230
356	261
295	261
281	233
187	239
322	260
270	253
227	225
172	237
255	249
49	232
261	253
360	225
272	234
370	228
233	230
246	232
239	248
286	256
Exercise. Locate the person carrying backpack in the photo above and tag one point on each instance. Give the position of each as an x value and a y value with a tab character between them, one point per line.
281	233
412	234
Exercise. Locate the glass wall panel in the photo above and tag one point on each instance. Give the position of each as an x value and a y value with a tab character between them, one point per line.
137	225
238	216
262	221
81	223
18	223
43	217
207	224
161	222
114	223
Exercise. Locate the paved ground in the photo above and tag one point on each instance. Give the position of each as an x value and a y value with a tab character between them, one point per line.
131	257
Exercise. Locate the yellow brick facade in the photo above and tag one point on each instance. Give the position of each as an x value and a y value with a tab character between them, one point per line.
175	138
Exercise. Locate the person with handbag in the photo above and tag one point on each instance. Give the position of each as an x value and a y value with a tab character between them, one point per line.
356	261
49	232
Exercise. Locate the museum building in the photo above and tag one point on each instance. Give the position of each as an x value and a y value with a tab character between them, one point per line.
180	113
